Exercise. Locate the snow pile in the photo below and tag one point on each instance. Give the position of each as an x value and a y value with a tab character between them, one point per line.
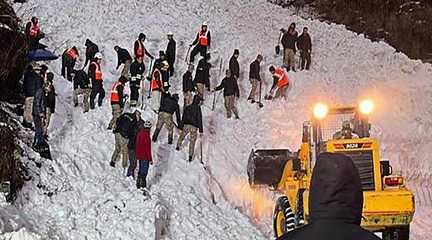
79	195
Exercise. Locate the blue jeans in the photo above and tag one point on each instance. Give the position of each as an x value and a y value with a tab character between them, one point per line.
143	168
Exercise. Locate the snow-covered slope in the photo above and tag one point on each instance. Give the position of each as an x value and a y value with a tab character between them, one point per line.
94	201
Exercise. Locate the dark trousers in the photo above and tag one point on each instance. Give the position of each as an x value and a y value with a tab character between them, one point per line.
132	163
67	67
38	138
198	49
134	95
97	89
305	59
171	62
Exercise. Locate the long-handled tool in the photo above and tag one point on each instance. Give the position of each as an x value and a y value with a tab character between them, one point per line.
214	94
187	54
260	104
149	78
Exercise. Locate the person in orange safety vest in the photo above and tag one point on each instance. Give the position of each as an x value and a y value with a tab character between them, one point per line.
118	99
157	88
139	48
202	42
33	33
280	80
95	74
69	58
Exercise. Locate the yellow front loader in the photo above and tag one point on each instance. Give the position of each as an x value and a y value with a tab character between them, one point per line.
388	205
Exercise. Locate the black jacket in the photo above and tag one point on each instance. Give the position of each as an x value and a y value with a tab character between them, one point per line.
50	98
137	73
234	66
124	124
192	115
188	85
122	56
202	74
32	81
81	80
230	87
39	105
304	42
91	50
170	105
254	70
335	202
289	40
133	131
171	51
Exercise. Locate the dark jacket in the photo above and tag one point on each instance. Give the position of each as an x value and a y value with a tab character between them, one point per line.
39	105
254	70
171	51
81	80
289	40
202	74
230	87
91	50
335	202
304	42
234	66
31	82
124	124
122	56
143	145
137	73
133	131
170	105
188	85
121	96
197	38
50	98
192	115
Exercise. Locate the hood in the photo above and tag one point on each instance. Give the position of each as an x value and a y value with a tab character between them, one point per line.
335	192
88	42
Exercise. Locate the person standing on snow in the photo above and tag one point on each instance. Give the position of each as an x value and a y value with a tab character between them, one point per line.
91	50
123	57
164	66
171	53
190	124
254	76
33	33
201	42
39	114
117	100
335	202
169	105
121	132
234	66
188	86
95	74
280	80
139	48
202	76
157	88
143	154
137	69
231	91
50	100
30	85
136	126
69	58
304	44
81	85
289	39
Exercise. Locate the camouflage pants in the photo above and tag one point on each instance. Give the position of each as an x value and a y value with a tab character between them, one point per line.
200	89
188	98
86	94
193	131
281	92
116	112
289	58
166	119
28	109
254	83
155	100
120	148
230	106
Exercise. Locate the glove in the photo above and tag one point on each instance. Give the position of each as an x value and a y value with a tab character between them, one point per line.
151	162
190	45
148	78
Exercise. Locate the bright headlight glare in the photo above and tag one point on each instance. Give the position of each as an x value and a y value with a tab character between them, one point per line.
320	111
366	107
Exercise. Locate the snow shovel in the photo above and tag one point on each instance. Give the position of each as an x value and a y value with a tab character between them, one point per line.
149	78
259	102
277	47
187	54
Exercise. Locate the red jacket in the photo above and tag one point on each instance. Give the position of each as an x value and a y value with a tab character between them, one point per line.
143	145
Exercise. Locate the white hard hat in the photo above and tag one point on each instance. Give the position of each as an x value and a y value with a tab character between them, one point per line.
170	33
98	55
204	23
147	124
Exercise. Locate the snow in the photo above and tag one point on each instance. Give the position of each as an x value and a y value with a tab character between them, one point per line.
78	196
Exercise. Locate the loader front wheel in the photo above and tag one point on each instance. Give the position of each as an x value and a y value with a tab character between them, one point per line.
283	217
401	233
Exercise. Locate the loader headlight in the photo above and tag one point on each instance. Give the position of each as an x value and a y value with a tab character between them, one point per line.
320	111
366	107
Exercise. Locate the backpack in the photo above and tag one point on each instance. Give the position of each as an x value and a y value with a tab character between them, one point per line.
123	124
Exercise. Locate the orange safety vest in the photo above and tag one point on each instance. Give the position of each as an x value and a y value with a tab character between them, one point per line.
98	72
282	77
154	83
141	50
34	30
71	52
114	93
203	38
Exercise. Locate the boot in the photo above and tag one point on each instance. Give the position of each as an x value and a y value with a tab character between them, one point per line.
190	158
170	140
112	164
177	148
155	135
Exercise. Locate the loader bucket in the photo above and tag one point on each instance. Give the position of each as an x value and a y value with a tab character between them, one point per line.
266	166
